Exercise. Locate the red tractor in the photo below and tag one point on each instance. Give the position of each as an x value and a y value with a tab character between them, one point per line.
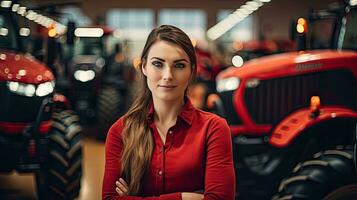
293	119
38	132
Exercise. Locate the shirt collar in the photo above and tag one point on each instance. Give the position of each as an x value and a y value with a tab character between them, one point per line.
186	113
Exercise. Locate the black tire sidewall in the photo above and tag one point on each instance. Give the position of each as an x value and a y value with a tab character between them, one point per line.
57	180
110	106
321	180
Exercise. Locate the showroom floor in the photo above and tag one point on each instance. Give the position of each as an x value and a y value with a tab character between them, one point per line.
22	187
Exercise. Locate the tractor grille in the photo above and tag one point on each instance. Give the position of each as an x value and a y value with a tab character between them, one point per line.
86	88
17	108
272	99
228	107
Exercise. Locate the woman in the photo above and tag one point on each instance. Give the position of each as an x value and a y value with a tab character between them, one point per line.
163	148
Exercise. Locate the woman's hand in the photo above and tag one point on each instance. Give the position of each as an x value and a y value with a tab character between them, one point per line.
191	196
121	187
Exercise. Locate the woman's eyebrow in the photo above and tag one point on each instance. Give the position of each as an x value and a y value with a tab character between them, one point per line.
181	60
158	59
163	60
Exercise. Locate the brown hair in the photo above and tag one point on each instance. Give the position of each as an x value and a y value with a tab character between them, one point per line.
138	143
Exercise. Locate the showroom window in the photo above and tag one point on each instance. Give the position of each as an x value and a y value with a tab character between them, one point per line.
132	28
133	24
75	14
192	21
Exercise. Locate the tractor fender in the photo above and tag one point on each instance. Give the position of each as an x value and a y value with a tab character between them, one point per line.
297	122
61	102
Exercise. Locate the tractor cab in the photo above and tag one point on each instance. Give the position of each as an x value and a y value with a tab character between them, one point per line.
333	28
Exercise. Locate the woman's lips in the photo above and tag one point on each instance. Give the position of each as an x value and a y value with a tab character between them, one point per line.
168	86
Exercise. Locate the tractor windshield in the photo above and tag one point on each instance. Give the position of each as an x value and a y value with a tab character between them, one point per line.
350	36
8	37
321	33
89	46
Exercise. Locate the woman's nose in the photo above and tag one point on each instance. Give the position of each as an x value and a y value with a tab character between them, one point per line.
167	75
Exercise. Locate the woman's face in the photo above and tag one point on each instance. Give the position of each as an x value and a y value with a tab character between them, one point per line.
168	71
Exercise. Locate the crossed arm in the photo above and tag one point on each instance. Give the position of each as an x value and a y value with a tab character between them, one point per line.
219	173
122	190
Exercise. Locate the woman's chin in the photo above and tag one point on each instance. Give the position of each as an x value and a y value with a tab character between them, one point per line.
169	97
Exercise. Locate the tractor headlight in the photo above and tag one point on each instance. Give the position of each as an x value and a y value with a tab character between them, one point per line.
84	75
227	84
30	90
45	88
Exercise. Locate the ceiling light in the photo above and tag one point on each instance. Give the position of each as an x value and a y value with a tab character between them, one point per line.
25	32
353	2
249	7
237	16
88	32
6	4
15	7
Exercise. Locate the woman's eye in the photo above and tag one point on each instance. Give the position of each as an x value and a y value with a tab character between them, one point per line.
157	64
180	65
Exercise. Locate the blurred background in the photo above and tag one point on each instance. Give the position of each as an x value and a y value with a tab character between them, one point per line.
68	71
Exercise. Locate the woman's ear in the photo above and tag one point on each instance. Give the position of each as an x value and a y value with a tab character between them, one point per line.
143	69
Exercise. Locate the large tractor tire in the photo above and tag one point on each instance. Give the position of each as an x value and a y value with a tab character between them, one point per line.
61	176
331	175
109	108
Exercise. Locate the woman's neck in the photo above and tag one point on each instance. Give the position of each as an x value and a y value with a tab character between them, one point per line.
166	112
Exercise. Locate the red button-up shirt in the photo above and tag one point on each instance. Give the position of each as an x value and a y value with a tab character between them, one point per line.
197	155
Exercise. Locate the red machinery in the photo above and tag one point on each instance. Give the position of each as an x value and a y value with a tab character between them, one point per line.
38	132
293	120
97	83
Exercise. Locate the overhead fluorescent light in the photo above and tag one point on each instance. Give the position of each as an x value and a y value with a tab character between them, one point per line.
249	7
31	15
21	10
25	32
15	7
88	32
4	31
237	16
6	4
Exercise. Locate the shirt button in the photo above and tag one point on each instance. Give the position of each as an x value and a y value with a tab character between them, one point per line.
161	149
170	132
160	172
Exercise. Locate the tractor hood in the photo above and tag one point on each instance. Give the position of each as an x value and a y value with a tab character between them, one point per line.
293	63
88	59
23	68
87	62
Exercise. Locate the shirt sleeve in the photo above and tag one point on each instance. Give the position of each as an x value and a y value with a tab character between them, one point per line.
219	177
113	149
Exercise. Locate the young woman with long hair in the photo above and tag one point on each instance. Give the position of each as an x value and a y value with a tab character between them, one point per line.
163	148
